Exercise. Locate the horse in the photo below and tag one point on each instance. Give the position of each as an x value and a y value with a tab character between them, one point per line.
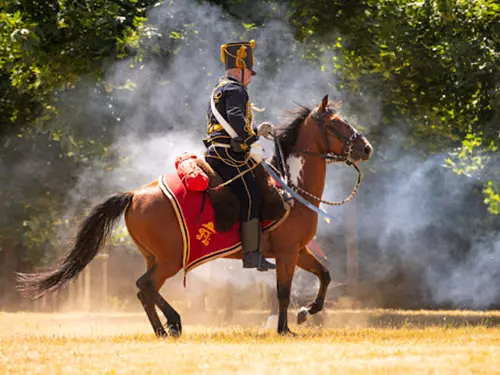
308	143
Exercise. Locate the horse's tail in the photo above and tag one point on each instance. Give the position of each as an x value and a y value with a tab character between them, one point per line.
90	238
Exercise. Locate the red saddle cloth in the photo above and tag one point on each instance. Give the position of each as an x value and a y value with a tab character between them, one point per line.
202	243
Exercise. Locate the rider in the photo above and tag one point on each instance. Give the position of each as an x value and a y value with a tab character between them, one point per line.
233	148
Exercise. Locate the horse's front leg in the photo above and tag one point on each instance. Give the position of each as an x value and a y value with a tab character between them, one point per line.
285	268
308	262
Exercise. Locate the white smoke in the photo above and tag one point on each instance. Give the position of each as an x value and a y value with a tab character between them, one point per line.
472	282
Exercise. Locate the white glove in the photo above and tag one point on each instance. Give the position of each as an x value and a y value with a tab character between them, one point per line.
257	152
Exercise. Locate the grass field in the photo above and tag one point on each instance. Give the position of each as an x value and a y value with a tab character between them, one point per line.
353	342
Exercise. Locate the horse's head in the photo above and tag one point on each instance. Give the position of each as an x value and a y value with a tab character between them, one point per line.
337	138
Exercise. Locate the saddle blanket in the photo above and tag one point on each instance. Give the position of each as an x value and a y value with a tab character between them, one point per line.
202	243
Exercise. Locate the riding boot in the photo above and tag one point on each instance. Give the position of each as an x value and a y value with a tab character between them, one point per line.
251	233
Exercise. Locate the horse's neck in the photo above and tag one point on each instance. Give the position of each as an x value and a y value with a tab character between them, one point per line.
308	172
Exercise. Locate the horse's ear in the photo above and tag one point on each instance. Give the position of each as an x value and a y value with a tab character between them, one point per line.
324	104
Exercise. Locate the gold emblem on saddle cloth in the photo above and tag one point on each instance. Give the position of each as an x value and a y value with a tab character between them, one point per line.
205	233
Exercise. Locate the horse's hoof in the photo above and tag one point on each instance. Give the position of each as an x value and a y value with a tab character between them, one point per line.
302	315
175	330
286	332
161	333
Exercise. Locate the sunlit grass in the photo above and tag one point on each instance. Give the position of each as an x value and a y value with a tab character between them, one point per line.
124	344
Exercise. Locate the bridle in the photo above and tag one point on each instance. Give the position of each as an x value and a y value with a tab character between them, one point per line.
348	141
330	157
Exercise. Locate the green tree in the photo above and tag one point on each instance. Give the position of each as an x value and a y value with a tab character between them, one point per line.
434	64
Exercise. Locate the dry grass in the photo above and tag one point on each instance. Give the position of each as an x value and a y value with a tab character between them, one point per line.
123	344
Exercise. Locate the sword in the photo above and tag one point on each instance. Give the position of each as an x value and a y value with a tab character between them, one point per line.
305	202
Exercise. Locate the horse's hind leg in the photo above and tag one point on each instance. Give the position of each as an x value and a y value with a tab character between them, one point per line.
149	284
151	221
146	301
149	308
309	262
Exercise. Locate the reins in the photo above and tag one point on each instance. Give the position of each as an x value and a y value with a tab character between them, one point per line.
282	166
332	203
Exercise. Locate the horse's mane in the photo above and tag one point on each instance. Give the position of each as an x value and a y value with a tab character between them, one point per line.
288	133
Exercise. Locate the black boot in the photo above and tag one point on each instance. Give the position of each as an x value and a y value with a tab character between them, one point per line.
250	240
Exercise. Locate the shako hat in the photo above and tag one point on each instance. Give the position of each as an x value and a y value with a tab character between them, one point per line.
238	55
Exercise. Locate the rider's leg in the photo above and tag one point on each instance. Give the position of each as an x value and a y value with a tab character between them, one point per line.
251	229
247	189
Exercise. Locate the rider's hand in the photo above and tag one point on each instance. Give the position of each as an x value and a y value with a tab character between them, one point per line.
257	152
265	129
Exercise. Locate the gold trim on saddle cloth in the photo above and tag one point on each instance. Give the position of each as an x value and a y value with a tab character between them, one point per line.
180	218
185	233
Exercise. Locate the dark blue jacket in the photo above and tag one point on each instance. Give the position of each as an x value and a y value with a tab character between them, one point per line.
233	103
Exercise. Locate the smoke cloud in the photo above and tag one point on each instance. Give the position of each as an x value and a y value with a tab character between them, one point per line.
425	237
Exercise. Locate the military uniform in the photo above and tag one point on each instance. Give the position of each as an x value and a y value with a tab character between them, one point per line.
230	156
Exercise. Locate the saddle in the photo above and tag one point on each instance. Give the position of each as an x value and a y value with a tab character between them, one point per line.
225	204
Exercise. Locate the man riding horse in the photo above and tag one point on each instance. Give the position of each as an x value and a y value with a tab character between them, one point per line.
233	147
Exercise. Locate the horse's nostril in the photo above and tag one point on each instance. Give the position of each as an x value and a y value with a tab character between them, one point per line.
368	149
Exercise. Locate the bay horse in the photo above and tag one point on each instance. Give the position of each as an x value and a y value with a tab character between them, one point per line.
308	143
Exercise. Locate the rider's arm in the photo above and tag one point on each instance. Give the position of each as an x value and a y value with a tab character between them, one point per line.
236	99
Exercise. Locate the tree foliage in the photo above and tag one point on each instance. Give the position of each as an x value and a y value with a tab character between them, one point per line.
434	64
49	51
